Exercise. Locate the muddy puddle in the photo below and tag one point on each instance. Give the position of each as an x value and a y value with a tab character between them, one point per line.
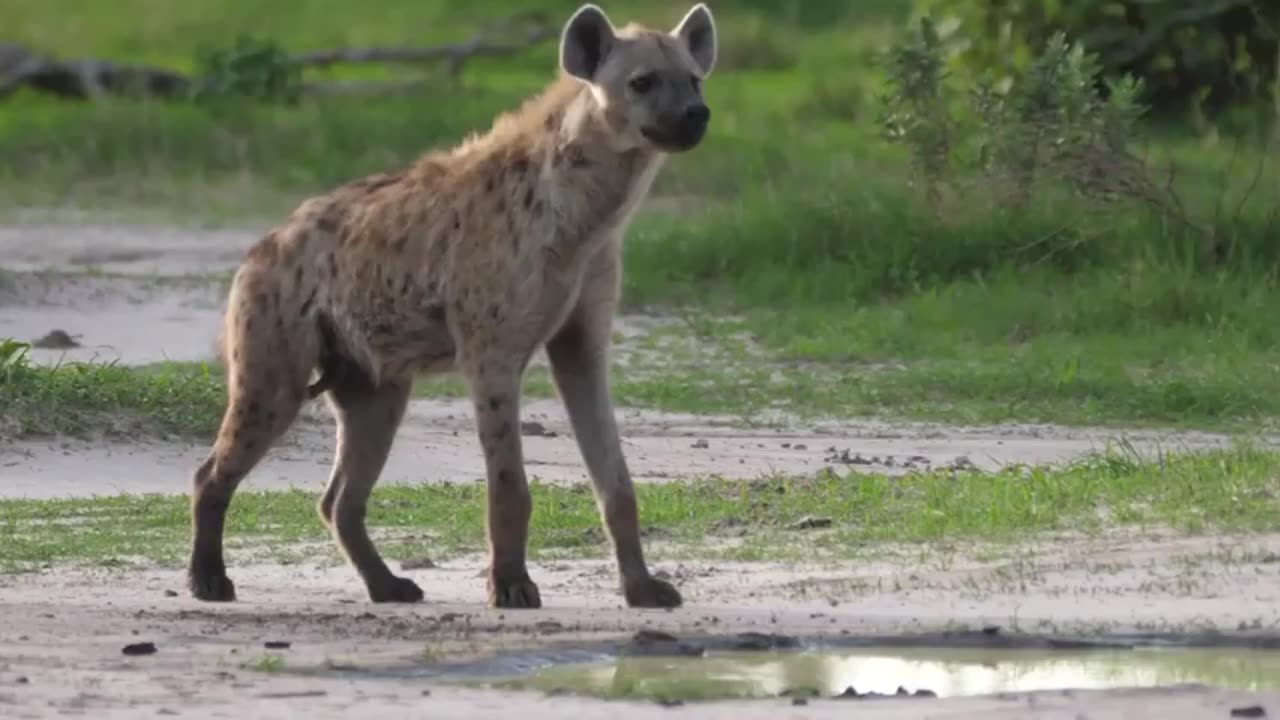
653	666
857	674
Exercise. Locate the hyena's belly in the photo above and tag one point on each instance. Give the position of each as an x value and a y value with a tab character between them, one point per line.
403	335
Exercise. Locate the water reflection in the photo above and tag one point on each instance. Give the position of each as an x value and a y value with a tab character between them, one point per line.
944	672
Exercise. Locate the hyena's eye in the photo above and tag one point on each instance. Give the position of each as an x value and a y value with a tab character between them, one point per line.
644	83
696	82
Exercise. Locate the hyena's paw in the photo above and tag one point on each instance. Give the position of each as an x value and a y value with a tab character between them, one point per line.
651	592
210	587
399	590
513	592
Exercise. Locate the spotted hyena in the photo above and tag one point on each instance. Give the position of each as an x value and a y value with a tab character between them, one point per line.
470	260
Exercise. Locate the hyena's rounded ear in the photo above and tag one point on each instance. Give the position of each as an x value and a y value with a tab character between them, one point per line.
698	31
586	41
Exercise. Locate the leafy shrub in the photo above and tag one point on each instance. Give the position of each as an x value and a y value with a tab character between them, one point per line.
1046	128
1189	53
254	69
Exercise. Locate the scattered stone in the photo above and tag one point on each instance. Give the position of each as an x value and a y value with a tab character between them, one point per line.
843	457
549	626
991	630
166	711
171	593
799	702
800	693
669	702
533	428
700	444
426	693
810	523
22	680
56	340
730	526
851	693
962	463
656	643
799	446
289	695
142	648
421	563
277	644
1251	711
755	642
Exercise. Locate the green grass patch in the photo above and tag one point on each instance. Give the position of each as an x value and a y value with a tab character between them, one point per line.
1233	490
100	398
816	278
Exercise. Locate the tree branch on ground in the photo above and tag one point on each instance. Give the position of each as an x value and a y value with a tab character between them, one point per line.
95	78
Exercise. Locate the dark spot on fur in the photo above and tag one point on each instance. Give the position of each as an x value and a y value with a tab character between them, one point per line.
327	223
488	185
374	183
503	431
502	205
528	197
297	275
333	265
537	208
254	407
457	222
520	165
402	242
306	304
550	122
496	401
435	312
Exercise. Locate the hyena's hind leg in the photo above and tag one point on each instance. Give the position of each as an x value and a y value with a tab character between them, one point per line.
267	376
367	418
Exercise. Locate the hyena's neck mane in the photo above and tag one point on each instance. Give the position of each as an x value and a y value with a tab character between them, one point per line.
594	179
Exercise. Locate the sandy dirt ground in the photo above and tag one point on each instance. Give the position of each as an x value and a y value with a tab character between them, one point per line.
61	644
128	294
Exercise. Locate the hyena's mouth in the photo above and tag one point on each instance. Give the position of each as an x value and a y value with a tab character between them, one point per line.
685	138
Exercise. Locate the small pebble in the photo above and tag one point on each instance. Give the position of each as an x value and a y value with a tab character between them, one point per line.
277	644
142	648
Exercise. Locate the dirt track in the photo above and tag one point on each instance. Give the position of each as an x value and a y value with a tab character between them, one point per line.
62	629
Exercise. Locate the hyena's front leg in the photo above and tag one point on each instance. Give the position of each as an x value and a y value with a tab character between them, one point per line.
579	363
495	391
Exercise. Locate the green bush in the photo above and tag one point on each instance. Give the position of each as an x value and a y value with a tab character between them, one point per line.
1200	54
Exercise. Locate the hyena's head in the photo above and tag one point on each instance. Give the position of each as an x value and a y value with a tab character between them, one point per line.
647	84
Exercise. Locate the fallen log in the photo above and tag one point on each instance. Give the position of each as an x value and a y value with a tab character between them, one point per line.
92	78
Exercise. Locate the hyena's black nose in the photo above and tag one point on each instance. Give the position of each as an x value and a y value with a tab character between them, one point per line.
697	114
